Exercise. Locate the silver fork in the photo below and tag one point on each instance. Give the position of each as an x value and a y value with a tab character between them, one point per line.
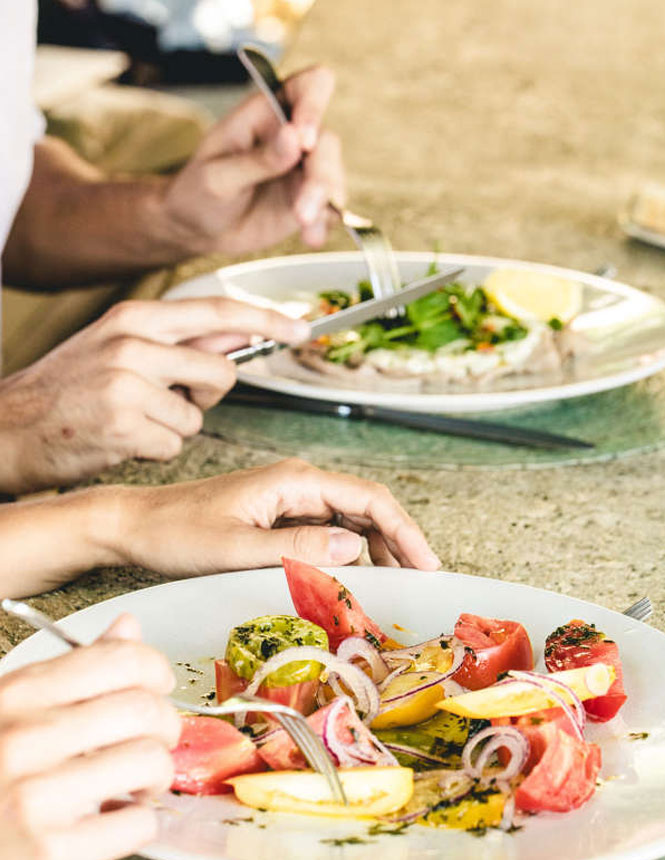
640	610
293	723
296	726
374	244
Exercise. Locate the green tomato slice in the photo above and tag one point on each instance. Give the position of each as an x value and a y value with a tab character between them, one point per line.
255	642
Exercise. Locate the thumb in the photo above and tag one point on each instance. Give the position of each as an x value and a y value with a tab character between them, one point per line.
316	544
238	172
125	626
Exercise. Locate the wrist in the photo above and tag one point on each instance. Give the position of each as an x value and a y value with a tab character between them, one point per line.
171	236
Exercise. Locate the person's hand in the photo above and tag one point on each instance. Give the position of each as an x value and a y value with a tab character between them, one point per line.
76	733
244	188
252	518
106	395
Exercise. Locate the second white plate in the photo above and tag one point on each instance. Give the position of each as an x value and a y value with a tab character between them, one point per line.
623	331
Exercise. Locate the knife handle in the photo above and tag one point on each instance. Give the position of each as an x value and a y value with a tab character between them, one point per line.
247	353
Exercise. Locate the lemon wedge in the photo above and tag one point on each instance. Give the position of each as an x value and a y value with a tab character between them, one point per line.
529	295
370	791
515	699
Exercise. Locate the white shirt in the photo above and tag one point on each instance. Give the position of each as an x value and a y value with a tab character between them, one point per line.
20	125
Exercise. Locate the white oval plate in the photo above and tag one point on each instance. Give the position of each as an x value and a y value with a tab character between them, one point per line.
623	331
190	621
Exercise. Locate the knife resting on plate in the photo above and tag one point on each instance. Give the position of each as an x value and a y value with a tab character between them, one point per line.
356	314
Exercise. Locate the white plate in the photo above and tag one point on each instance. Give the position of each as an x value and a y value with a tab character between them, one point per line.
623	330
190	621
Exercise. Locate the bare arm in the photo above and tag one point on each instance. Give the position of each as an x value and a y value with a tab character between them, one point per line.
242	190
76	224
237	521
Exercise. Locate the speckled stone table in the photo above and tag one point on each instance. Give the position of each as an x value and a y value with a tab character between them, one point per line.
511	128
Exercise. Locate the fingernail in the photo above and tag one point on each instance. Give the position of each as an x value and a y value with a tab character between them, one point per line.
311	204
308	136
344	546
432	560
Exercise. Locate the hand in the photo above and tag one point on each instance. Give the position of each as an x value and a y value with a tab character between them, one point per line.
105	394
244	190
252	518
77	732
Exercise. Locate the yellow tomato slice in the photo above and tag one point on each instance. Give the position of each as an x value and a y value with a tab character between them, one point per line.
515	699
413	709
370	791
475	812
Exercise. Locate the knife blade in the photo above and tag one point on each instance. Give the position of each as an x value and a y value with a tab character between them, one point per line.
489	431
356	314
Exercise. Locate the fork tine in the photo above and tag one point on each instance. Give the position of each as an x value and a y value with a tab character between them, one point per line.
640	610
314	751
293	723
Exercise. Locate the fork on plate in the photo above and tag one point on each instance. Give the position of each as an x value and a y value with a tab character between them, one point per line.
374	244
293	722
640	610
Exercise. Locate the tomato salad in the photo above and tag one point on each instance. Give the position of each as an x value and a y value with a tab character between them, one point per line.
458	731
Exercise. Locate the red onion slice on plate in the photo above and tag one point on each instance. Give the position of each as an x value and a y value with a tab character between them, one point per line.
361	686
356	646
495	738
576	714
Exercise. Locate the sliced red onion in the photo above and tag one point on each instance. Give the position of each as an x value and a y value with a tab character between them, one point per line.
508	817
356	646
431	682
413	652
370	751
395	672
496	737
576	714
360	685
425	758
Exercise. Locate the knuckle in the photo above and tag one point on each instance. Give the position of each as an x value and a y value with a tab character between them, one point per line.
11	742
20	803
170	446
123	315
115	387
294	465
193	420
122	351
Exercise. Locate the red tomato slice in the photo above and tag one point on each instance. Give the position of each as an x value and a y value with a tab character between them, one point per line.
579	644
498	646
531	726
322	599
301	696
565	776
280	753
210	751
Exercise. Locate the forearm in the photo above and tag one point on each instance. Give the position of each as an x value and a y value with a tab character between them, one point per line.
77	224
46	542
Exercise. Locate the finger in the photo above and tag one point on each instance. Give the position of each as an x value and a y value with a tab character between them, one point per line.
125	626
218	343
310	491
378	550
323	180
309	92
177	321
319	545
230	175
104	837
59	797
50	737
206	375
83	674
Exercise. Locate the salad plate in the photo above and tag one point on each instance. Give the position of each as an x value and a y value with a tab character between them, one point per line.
190	621
615	336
